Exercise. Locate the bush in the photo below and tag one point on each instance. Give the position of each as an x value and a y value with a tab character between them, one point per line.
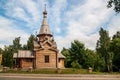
75	64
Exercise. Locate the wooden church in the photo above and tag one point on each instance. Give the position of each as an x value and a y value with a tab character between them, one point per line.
45	53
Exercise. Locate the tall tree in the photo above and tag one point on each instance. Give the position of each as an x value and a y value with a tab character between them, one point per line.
16	44
103	48
77	52
90	58
115	4
117	35
115	48
68	60
7	56
77	56
9	51
74	55
1	50
30	42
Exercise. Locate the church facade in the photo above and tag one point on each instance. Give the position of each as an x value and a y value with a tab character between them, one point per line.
45	53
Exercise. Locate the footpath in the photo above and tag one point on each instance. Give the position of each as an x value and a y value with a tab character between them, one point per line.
65	76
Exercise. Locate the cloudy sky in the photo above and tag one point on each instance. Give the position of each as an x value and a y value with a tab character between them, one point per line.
68	20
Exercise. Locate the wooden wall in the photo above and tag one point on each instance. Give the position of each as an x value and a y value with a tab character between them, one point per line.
61	63
40	59
25	63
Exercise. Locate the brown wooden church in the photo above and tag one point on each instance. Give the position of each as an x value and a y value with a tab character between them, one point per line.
45	53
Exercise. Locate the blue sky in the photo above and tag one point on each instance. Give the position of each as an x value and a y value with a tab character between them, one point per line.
68	20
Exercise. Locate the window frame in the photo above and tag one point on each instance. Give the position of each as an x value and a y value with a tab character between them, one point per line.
47	58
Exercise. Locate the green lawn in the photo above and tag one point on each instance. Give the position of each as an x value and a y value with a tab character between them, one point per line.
53	71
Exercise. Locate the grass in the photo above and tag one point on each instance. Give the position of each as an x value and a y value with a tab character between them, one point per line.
33	72
50	71
54	71
74	71
0	68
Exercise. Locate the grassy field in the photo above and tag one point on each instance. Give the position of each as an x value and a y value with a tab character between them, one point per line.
53	71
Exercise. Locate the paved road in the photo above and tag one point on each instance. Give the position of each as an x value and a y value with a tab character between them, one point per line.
57	77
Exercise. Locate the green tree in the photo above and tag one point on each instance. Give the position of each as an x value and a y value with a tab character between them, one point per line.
7	56
1	50
16	45
68	60
79	57
74	55
117	35
9	51
90	58
25	47
115	4
30	44
102	48
77	52
115	48
99	63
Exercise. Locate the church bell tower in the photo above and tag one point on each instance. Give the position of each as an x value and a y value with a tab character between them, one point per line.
45	47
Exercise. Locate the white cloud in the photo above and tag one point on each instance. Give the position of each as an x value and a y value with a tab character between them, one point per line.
32	8
55	14
19	13
8	32
82	20
24	10
114	25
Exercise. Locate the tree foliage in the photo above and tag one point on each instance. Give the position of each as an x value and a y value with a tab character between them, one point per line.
77	51
102	48
30	42
29	45
79	57
1	51
115	4
7	56
16	45
106	56
115	48
74	55
7	53
68	60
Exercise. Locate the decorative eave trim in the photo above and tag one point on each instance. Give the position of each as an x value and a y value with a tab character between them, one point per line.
24	57
46	42
39	49
44	34
56	50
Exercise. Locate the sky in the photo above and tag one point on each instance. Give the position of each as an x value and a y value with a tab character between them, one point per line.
68	20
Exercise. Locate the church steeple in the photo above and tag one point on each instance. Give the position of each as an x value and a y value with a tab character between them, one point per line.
45	12
45	27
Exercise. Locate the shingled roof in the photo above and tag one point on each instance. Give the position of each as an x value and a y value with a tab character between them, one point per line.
44	27
60	55
23	54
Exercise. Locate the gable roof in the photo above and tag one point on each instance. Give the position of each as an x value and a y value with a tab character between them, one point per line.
60	55
23	54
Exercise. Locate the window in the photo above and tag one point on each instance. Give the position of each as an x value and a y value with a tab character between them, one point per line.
46	59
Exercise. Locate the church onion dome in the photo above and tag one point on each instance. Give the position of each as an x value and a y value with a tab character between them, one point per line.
45	27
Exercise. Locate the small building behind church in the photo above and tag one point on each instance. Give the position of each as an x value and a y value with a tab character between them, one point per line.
24	59
45	53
